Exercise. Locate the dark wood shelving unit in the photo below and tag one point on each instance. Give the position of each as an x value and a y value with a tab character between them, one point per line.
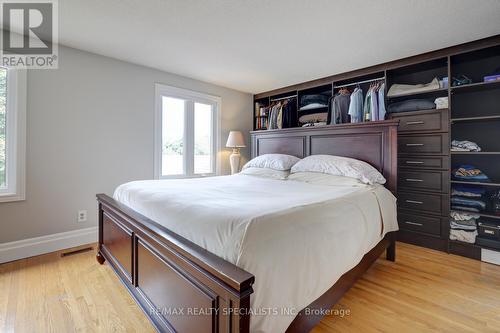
424	136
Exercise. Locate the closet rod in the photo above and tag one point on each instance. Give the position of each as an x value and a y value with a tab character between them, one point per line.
360	82
279	99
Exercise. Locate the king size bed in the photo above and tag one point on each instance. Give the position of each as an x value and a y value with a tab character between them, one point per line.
254	254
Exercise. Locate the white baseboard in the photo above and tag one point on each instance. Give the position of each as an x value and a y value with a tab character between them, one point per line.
45	244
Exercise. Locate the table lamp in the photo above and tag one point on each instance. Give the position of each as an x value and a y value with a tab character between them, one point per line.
235	140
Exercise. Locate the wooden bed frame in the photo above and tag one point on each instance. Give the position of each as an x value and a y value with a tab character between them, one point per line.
183	288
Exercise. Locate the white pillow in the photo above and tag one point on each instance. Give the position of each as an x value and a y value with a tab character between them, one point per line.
340	166
319	178
265	173
272	161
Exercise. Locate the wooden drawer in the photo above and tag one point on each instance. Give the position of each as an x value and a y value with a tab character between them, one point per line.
420	223
422	121
435	181
417	162
425	202
434	144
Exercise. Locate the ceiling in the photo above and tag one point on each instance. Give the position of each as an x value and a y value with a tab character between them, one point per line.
259	45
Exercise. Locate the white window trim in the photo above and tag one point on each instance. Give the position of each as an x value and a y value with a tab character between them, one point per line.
165	90
15	137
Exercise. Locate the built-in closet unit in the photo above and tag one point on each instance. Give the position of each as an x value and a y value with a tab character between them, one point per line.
425	162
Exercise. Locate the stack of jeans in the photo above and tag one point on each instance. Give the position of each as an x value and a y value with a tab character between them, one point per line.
468	198
463	227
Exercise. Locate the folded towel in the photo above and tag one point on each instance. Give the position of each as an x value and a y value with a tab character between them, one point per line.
469	173
465	145
411	105
472	222
459	216
467	191
463	236
456	226
400	89
313	106
313	118
441	102
463	201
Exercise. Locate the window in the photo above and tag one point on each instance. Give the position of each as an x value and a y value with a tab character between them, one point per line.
12	133
186	133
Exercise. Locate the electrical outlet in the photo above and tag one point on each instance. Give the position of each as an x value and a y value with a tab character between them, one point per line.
82	216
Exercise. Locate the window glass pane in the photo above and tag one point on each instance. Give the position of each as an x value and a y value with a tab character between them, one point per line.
172	136
3	125
203	141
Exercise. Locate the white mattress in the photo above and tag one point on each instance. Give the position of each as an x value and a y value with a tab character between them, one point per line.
297	238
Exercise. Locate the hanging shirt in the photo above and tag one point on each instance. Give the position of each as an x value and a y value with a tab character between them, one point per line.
374	104
381	102
340	109
367	107
356	106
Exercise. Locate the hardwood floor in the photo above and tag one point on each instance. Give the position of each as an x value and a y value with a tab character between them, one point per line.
423	291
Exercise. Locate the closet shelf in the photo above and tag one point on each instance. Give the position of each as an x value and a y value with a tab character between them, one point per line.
480	214
475	153
477	86
421	93
492	184
480	118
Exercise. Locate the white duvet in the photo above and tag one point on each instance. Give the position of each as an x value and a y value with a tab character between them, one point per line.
297	238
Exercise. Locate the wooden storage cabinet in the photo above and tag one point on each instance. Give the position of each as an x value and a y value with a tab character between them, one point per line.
423	177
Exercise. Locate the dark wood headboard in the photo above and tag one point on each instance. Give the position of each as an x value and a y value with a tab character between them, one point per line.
372	142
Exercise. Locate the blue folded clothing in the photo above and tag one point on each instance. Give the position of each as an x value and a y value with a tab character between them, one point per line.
467	190
469	173
468	202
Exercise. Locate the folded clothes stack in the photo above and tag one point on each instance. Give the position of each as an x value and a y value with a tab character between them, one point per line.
441	102
469	173
463	227
468	198
411	105
310	102
404	89
457	145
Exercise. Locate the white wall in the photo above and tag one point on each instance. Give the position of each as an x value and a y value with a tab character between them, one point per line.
89	129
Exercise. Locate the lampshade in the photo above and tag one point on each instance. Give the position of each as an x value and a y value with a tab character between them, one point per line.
235	140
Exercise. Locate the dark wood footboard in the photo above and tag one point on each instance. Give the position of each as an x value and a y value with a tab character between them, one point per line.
180	286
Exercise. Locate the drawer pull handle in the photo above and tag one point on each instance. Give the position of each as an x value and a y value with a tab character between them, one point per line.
491	232
414	223
414	180
420	122
414	162
414	202
414	144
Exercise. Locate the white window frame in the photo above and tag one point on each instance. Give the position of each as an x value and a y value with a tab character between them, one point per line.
15	136
190	97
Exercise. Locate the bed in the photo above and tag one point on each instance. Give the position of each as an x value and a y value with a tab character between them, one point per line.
217	239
